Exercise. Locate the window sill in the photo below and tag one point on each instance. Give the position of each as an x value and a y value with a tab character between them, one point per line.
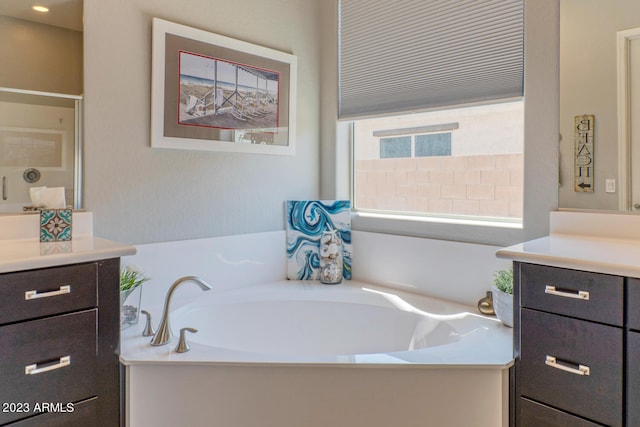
503	232
443	219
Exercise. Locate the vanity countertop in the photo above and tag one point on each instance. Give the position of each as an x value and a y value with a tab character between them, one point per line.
27	254
599	242
21	249
597	254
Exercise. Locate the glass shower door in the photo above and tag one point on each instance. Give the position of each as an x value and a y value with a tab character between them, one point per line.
40	139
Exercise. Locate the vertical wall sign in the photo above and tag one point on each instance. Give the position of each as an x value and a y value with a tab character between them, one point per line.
584	140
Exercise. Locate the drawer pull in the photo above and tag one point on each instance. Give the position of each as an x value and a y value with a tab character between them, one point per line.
551	290
580	370
29	295
33	369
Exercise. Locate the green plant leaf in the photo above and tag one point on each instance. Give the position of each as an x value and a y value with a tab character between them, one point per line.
503	280
130	279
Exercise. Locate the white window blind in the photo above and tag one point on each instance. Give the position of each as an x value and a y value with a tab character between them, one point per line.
406	55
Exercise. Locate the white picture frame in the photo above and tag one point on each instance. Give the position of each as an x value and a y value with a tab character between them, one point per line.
215	93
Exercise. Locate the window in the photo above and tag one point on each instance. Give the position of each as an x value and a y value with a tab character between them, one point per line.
431	145
406	164
395	147
539	77
398	60
426	145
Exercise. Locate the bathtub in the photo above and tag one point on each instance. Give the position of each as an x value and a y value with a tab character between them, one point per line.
301	354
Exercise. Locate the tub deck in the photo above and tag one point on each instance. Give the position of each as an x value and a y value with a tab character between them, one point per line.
483	341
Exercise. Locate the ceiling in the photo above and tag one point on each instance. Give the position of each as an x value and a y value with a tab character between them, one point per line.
62	13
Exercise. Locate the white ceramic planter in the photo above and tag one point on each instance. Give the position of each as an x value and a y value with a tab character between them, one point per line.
503	306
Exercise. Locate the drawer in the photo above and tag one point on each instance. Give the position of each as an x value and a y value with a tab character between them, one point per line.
50	296
633	303
533	414
81	414
597	396
633	378
557	290
44	343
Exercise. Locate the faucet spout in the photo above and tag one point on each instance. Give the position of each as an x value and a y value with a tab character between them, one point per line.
163	334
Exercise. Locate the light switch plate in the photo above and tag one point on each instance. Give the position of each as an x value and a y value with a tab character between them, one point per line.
610	185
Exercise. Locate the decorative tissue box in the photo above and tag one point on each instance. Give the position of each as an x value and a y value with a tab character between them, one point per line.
55	225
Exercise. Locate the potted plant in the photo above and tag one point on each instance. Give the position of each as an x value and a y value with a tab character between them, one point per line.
130	280
502	291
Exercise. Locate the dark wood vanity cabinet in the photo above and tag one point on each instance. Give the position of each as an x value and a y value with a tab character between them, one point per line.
633	352
59	336
576	348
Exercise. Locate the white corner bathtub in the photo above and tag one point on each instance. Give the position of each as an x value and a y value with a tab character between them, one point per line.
304	354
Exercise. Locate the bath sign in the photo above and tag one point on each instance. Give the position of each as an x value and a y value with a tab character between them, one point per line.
584	138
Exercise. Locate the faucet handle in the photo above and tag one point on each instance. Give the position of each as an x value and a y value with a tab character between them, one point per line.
148	327
183	347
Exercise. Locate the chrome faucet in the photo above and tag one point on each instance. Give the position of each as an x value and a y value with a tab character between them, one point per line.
164	334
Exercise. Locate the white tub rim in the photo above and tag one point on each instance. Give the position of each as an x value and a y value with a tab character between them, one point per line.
491	350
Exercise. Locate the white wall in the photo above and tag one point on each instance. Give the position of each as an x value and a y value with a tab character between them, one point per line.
142	195
53	64
453	271
460	272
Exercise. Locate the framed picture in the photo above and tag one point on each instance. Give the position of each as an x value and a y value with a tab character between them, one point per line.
214	93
